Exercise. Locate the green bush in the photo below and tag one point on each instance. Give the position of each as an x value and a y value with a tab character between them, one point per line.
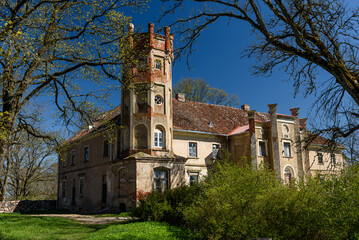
243	203
167	206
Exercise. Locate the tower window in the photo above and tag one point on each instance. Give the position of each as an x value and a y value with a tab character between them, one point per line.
158	100
158	64
286	149
158	138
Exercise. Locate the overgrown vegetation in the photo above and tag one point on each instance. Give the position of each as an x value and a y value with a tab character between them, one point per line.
244	203
16	226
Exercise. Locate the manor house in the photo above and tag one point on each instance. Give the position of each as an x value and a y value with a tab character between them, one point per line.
152	142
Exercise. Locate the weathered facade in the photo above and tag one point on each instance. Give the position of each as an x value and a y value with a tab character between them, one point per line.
154	142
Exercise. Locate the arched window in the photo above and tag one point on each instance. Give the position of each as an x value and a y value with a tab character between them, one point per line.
288	174
140	137
159	138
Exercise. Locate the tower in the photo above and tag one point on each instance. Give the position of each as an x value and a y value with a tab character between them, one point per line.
146	110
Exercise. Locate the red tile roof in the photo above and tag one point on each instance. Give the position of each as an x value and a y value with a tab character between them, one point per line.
203	117
200	117
101	120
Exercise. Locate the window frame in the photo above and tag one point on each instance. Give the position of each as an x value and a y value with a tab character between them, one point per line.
158	181
193	174
158	138
289	148
63	189
265	148
320	158
215	156
86	154
106	145
158	96
81	187
73	156
195	147
156	62
333	160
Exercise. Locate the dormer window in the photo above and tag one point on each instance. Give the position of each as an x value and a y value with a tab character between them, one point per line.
158	100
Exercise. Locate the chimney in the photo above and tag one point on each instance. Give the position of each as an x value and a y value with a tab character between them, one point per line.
130	32
295	112
246	107
272	109
150	30
168	38
181	97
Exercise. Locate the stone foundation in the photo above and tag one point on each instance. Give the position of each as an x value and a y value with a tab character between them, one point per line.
27	206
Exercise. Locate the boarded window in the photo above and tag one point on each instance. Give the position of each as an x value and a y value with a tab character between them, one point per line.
140	137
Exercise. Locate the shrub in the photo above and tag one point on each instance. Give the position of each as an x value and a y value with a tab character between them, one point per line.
167	206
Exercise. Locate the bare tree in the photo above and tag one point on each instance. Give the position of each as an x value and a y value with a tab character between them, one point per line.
31	162
197	90
299	36
47	47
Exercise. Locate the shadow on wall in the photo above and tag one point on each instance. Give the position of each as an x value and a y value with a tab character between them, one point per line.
26	206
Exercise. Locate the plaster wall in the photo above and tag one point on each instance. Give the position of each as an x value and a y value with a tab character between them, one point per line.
317	168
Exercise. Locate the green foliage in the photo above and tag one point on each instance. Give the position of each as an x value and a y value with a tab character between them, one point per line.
16	227
197	90
243	203
167	206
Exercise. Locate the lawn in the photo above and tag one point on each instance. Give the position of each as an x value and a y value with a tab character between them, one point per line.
24	227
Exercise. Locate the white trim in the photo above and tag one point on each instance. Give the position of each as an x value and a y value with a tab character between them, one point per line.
285	121
288	165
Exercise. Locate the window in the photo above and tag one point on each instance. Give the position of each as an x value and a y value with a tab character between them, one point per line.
105	148
286	149
193	149
332	159
158	64
86	154
81	183
160	180
320	158
158	138
64	162
262	148
215	150
158	100
193	178
63	188
288	174
73	158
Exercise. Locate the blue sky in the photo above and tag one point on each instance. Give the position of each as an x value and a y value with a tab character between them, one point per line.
218	61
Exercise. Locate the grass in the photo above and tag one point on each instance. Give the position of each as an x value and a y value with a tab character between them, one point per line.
123	214
23	227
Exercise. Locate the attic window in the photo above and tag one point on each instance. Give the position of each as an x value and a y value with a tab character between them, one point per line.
210	124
